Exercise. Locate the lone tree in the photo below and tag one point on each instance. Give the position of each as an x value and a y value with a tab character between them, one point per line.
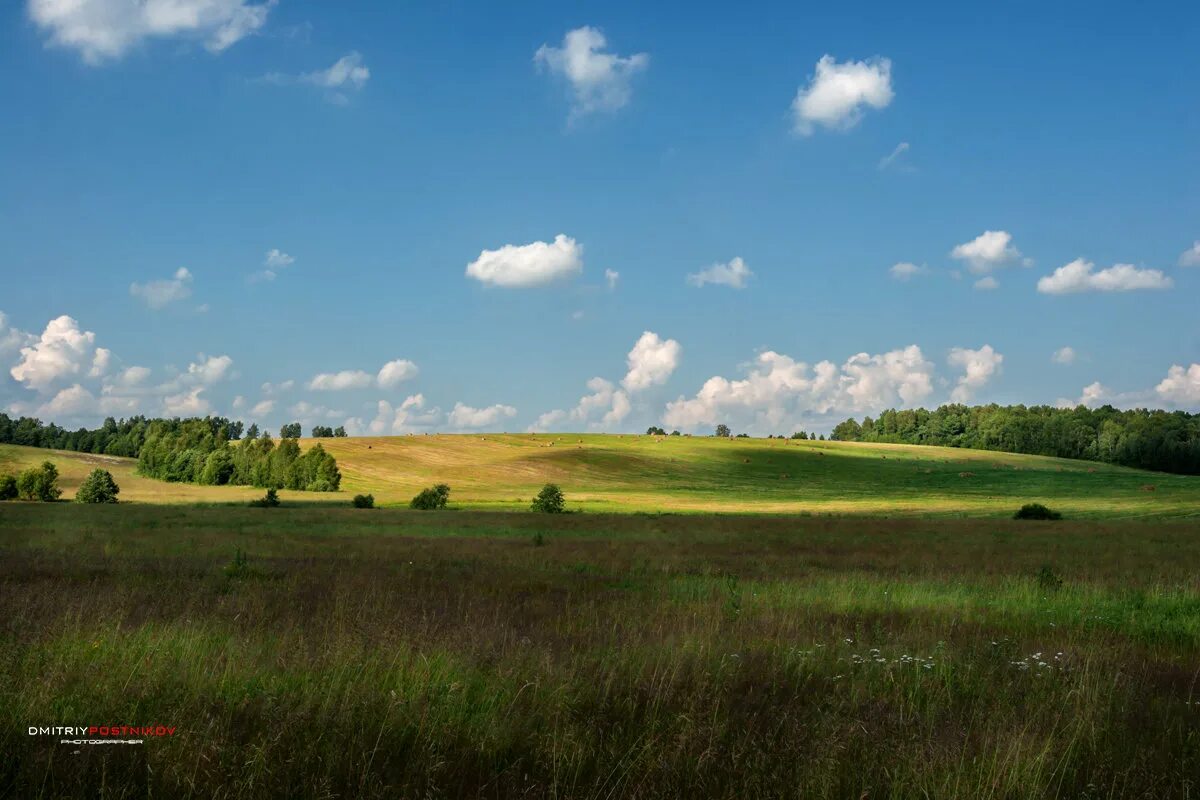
550	500
39	483
432	499
723	431
99	487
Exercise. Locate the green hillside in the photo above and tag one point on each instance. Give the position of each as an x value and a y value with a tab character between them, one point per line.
696	474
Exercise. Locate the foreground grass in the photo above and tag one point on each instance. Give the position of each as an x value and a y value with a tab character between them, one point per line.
623	473
388	653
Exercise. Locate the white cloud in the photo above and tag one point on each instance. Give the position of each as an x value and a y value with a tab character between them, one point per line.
209	369
979	367
463	416
534	264
390	374
1064	355
62	350
905	270
891	157
650	362
1079	276
838	94
273	263
611	276
12	339
262	408
102	30
779	390
187	403
410	416
599	81
1093	395
133	376
986	284
734	274
1191	256
987	251
1181	387
347	75
71	402
341	381
101	361
395	372
158	294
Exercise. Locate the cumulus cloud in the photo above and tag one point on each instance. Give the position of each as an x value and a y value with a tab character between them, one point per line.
408	417
837	94
778	390
161	293
905	270
133	376
341	381
986	284
534	264
1080	276
12	339
464	416
262	408
599	81
1191	256
1064	355
987	251
390	374
651	362
347	75
978	366
734	274
611	276
103	30
209	369
273	263
61	351
1094	394
1181	387
188	403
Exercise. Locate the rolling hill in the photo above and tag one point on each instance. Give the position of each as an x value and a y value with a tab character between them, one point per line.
623	473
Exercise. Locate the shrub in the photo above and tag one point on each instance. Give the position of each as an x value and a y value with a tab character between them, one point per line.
1036	511
431	499
550	500
39	483
8	487
99	487
1048	580
268	500
539	540
363	501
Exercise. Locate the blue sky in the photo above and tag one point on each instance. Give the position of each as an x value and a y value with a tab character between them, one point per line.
442	198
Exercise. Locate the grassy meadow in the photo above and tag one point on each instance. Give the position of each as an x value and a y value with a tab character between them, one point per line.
863	621
613	473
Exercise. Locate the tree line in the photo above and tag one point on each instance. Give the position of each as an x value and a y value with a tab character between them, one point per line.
212	450
1166	441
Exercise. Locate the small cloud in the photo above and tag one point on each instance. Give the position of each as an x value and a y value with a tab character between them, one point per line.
1064	355
837	94
1080	276
348	75
734	274
463	416
273	263
161	293
611	276
1191	256
987	283
524	266
599	81
890	159
905	270
987	251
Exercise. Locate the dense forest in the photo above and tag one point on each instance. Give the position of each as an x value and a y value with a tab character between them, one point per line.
1157	440
212	450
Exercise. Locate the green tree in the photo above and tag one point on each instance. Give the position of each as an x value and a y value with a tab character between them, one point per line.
290	431
550	500
431	499
99	487
8	487
39	483
723	431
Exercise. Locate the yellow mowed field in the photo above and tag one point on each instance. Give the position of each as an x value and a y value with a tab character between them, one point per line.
606	472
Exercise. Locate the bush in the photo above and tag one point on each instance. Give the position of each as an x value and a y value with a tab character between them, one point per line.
550	500
8	487
268	500
39	483
364	501
1048	580
1036	511
431	499
99	487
